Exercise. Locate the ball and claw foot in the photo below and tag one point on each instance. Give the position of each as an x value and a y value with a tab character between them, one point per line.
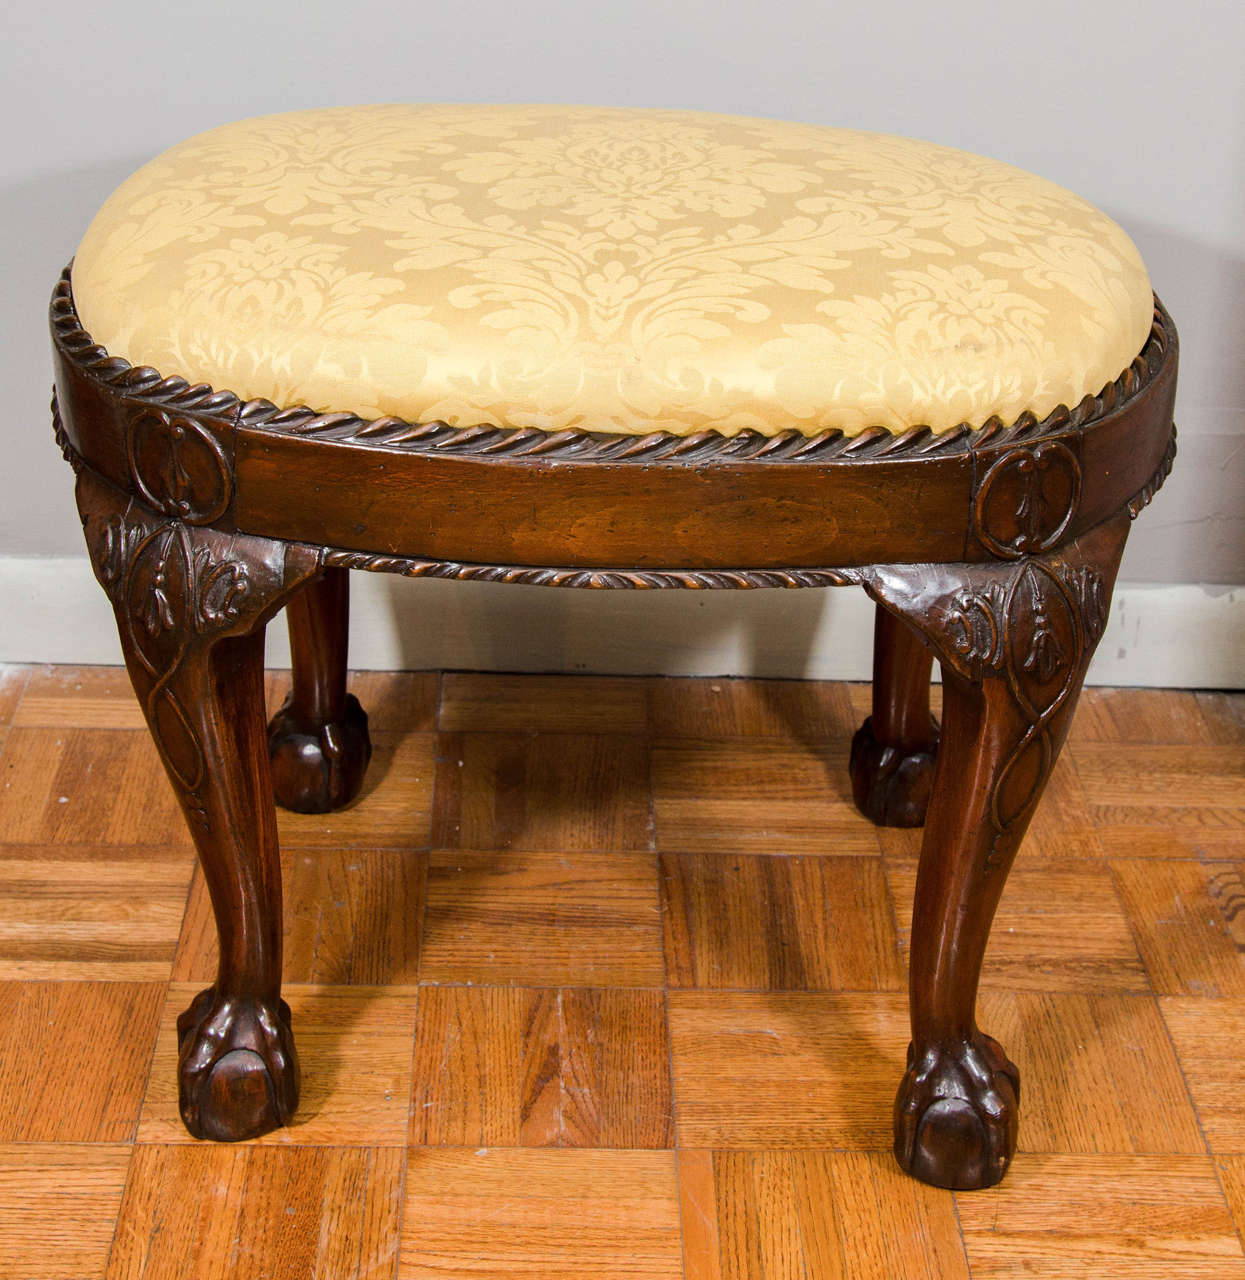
891	787
318	767
956	1114
237	1070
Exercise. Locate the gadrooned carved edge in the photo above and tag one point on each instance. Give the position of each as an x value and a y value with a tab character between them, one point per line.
601	579
148	385
1142	499
68	452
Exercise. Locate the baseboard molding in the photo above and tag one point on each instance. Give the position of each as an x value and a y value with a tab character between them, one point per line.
1179	636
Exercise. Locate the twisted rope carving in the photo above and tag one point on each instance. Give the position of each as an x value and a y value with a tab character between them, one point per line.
790	446
1142	499
600	579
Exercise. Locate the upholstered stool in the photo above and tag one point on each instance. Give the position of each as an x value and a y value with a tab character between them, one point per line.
609	349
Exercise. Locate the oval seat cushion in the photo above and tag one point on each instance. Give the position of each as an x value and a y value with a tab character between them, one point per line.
611	270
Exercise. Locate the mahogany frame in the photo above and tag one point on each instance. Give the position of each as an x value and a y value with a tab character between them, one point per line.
992	549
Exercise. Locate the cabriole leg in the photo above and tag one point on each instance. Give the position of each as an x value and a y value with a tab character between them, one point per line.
1014	640
191	604
318	741
892	761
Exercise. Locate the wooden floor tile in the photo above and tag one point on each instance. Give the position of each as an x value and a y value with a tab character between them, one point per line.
1223	713
1060	927
74	1058
13	680
1185	786
351	916
698	1212
901	844
395	701
394	809
770	1215
493	1214
1095	1218
1097	1074
484	702
803	710
860	695
91	912
523	985
1180	840
543	919
1176	802
1129	716
86	786
541	1068
354	1044
799	923
1061	828
58	1208
786	1069
542	793
752	796
797	1070
79	698
218	1212
1231	1171
1209	1036
1183	915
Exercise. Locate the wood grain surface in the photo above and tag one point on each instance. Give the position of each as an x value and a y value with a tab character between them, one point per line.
621	994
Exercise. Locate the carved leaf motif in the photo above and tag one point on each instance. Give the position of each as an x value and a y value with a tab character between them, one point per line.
1090	593
158	612
1045	655
1029	624
219	589
975	625
112	553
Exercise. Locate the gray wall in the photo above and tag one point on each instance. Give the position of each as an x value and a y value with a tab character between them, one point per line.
1139	105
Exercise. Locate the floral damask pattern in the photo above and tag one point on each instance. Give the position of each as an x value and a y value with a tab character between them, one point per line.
615	270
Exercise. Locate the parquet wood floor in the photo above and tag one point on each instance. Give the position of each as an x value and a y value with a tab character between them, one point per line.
606	978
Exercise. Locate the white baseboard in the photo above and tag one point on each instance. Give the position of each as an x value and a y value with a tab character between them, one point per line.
1180	636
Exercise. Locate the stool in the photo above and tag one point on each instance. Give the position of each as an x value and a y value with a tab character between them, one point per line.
618	350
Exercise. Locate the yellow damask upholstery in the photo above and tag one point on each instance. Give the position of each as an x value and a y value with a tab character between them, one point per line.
617	270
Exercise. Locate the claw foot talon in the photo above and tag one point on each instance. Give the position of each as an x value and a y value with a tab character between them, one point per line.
318	767
891	787
237	1069
956	1114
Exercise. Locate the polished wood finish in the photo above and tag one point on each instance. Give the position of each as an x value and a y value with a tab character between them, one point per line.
893	752
541	1067
339	1209
318	741
524	1212
1013	656
518	504
784	978
994	550
190	606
